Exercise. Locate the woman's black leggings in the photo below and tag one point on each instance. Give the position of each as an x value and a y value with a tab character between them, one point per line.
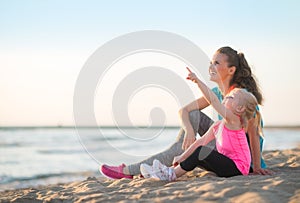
210	160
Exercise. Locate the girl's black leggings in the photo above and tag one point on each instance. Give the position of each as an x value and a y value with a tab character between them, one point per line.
210	160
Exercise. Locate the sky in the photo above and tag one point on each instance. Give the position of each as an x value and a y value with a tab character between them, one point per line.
44	45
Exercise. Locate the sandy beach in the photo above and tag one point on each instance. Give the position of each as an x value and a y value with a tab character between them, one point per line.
196	186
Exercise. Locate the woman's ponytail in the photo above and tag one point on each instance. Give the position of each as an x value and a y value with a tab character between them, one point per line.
243	77
246	70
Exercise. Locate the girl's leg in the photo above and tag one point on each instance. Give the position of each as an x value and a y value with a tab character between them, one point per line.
179	171
210	160
200	123
166	157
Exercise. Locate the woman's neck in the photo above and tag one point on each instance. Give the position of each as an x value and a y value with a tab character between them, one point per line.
224	87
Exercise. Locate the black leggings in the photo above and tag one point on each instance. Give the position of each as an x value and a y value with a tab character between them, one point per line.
210	160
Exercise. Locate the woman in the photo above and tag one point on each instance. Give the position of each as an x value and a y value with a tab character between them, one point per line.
232	156
229	70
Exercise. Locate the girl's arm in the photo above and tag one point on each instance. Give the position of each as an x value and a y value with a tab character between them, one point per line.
211	98
204	140
190	136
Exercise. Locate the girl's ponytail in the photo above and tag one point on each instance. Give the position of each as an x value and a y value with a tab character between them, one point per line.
258	121
249	101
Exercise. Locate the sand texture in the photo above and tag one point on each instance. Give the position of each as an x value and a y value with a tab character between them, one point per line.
196	186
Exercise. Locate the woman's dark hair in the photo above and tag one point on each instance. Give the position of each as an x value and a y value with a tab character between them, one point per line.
243	77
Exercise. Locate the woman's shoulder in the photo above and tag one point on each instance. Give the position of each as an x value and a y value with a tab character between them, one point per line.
216	90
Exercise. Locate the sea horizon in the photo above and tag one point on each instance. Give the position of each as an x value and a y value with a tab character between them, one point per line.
113	126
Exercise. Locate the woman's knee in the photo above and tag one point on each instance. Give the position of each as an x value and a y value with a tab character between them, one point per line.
194	117
200	121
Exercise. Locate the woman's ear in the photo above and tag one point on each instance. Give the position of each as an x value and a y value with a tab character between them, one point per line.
232	70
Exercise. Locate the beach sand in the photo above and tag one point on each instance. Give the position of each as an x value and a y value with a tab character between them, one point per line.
195	186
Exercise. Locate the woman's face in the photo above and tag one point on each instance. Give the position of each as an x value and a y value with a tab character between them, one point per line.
218	69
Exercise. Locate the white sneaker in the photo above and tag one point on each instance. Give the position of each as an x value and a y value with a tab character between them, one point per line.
146	170
162	172
158	165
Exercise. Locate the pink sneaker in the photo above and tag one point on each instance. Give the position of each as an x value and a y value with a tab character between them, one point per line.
114	172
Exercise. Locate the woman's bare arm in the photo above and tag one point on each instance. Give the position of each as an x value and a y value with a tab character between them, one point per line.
190	136
255	148
204	140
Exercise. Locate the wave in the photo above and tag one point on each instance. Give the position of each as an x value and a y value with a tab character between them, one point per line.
4	179
14	144
60	151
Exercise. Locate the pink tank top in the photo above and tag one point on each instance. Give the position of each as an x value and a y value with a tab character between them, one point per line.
234	145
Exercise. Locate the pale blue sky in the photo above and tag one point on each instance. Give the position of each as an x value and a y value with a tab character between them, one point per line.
44	44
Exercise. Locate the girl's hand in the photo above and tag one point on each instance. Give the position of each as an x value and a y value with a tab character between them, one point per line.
192	76
176	160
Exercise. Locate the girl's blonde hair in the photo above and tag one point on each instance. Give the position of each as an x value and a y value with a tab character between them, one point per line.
249	102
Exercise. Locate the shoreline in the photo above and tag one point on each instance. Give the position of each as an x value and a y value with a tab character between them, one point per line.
195	186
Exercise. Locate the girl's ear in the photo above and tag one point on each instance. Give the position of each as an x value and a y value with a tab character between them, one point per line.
232	70
240	109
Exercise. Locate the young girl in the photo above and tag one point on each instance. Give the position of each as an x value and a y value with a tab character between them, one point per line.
233	154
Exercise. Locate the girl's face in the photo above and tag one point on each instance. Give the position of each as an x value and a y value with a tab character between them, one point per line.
218	69
231	101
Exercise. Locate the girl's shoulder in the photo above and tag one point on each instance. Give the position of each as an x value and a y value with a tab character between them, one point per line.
233	122
217	124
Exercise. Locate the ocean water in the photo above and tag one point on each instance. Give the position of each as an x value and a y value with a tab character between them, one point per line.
39	156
